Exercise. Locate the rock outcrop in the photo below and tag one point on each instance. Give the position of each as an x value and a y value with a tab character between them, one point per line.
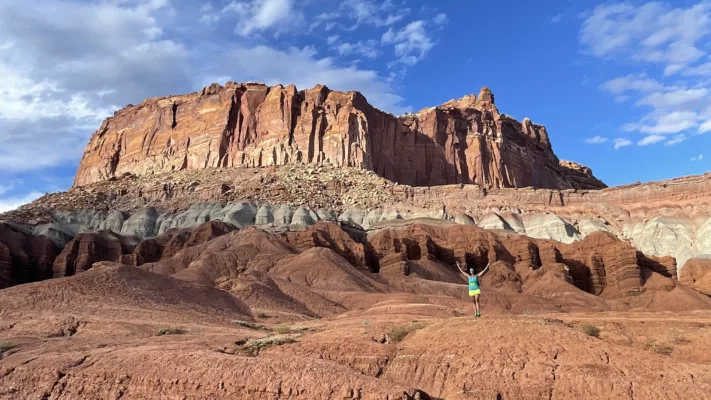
23	257
252	125
697	274
86	249
666	218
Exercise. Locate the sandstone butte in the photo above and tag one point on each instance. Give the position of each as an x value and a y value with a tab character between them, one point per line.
465	141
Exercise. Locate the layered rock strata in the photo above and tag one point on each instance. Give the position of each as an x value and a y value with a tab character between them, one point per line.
600	264
666	218
252	125
24	257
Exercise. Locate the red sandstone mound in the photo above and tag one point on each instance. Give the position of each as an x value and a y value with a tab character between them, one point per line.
323	270
463	141
89	248
110	289
172	368
315	264
697	274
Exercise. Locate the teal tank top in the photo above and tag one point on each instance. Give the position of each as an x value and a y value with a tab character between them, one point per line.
473	283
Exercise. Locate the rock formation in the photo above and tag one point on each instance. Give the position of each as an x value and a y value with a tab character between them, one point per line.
697	274
251	125
666	218
86	249
24	257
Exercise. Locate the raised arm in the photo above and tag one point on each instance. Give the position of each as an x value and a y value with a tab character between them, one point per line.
462	271
484	270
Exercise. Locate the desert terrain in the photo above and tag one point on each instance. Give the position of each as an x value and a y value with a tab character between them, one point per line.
258	242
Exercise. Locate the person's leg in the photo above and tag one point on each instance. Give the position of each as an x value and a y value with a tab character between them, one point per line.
476	304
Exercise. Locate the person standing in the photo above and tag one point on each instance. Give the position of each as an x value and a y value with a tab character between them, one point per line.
474	289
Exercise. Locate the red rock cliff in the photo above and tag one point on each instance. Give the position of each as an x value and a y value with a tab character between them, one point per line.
462	141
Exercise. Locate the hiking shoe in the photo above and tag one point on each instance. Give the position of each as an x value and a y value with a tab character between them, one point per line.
477	314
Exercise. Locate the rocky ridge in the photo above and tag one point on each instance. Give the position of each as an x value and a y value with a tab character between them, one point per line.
252	125
668	218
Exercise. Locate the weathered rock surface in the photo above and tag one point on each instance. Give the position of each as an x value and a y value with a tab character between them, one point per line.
236	316
667	218
86	249
462	141
24	257
697	274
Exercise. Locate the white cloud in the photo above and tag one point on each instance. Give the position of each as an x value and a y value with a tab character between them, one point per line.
302	67
391	19
11	203
703	69
412	43
259	15
652	32
366	48
698	158
651	139
674	108
65	65
379	14
705	127
675	140
631	83
5	188
324	18
596	140
556	18
622	142
332	39
440	19
660	123
676	98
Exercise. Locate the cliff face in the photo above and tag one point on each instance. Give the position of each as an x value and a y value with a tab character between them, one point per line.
462	141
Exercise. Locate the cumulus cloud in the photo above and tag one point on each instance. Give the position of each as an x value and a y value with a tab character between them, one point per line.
596	140
698	158
631	83
676	98
440	19
664	122
675	108
259	15
411	43
66	65
652	32
705	127
651	139
703	69
675	140
622	142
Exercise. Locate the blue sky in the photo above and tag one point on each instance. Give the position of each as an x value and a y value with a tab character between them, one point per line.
622	87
